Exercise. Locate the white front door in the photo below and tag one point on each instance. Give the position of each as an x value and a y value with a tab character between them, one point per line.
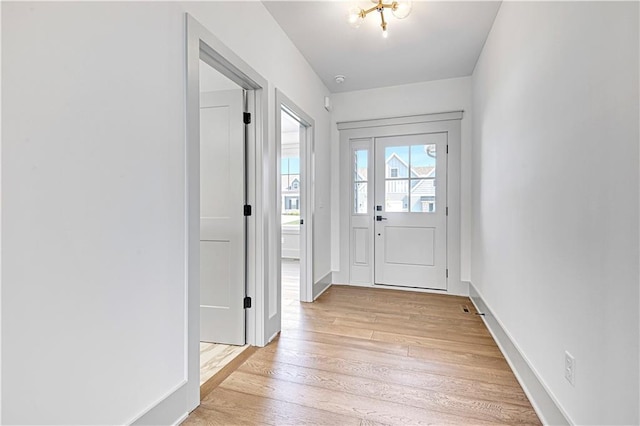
222	223
410	240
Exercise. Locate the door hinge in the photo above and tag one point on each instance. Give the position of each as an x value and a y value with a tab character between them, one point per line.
301	221
246	117
447	149
247	302
446	211
447	273
247	210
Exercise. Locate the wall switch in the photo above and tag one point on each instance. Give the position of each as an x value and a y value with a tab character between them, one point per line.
569	368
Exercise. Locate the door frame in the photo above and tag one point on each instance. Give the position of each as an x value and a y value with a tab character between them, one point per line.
307	149
363	133
201	43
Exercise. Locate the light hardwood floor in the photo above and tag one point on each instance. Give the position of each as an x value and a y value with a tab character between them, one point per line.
290	283
214	356
370	356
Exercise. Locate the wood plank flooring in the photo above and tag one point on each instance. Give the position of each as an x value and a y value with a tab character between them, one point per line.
214	356
366	356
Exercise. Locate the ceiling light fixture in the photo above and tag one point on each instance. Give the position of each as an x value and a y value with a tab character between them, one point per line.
400	10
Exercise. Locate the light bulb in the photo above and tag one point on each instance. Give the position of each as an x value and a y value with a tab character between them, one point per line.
354	17
402	9
385	34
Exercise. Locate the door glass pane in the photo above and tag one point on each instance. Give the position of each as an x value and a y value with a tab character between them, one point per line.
423	195
290	190
396	161
360	168
423	160
360	197
361	161
396	198
410	178
294	165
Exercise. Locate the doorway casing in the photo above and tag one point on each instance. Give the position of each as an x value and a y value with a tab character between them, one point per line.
306	194
361	135
202	44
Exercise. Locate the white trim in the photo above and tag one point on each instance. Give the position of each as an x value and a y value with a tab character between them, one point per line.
406	119
307	194
399	288
322	285
273	336
416	289
215	53
171	405
448	122
544	403
180	419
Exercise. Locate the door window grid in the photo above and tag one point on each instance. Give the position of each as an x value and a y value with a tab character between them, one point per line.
360	180
410	183
290	178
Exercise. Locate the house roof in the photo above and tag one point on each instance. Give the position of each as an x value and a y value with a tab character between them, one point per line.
417	171
425	187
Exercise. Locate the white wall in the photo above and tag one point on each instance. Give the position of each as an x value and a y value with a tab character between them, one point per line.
270	52
290	243
410	99
93	278
555	196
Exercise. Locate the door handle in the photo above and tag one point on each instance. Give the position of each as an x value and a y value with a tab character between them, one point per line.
380	218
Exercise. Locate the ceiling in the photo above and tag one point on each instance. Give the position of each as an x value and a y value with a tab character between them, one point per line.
437	40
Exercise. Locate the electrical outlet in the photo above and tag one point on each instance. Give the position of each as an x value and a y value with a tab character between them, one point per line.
569	368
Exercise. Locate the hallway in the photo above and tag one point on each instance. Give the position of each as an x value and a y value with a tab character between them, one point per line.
290	284
363	356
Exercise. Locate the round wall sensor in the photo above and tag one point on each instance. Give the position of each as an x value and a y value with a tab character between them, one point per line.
340	79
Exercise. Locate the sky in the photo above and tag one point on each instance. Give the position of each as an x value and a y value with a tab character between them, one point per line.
290	166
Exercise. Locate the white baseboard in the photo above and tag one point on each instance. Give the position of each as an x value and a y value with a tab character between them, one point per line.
322	285
181	419
170	406
543	402
462	289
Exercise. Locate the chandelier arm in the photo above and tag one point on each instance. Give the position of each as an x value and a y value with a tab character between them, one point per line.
384	24
364	13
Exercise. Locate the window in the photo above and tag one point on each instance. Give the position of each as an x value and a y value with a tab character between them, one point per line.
410	184
291	203
360	180
290	189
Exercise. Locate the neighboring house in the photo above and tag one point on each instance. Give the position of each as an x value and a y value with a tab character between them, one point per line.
290	215
290	185
413	191
360	193
290	189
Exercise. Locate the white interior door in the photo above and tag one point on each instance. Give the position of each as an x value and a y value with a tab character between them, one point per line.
410	211
222	222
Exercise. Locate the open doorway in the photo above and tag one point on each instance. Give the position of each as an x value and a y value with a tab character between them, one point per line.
202	45
295	202
222	225
290	207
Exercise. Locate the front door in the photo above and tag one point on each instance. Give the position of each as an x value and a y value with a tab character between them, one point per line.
222	227
410	241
